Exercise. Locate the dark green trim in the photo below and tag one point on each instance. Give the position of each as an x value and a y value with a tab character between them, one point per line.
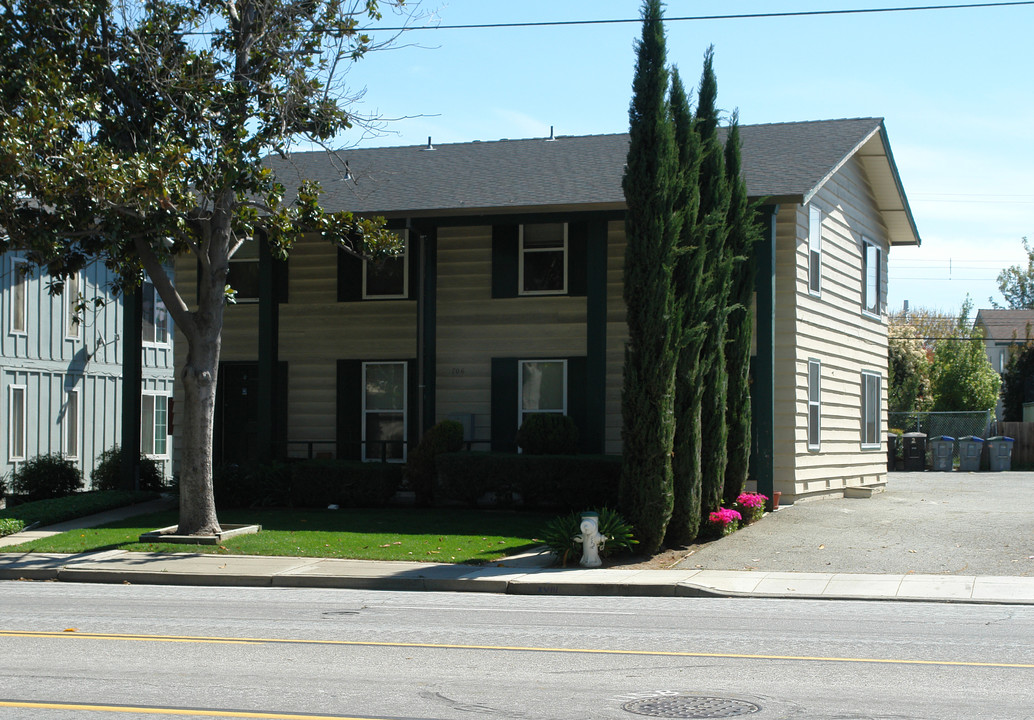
762	391
513	218
413	419
577	406
594	429
428	341
268	356
413	266
132	376
577	252
349	277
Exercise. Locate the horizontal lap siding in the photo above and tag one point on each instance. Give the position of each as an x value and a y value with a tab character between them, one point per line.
833	330
472	327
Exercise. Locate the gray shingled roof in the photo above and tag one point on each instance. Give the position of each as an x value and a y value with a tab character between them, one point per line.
1006	325
785	162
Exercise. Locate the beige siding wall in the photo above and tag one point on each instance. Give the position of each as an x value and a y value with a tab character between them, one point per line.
832	329
473	327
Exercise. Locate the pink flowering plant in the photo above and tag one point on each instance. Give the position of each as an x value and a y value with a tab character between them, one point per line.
751	506
725	521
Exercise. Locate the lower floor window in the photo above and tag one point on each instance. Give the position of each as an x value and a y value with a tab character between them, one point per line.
384	411
16	422
871	409
154	424
543	387
71	424
814	404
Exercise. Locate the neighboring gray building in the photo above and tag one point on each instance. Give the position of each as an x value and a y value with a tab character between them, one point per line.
61	368
1004	331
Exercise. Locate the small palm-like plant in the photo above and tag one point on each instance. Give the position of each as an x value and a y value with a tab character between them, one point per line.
559	535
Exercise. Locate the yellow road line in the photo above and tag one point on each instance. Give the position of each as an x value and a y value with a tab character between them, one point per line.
501	648
145	710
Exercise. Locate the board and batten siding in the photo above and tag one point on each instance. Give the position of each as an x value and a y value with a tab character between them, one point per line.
833	329
473	327
48	361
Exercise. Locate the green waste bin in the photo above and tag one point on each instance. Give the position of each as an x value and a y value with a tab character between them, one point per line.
1000	451
914	451
970	447
942	452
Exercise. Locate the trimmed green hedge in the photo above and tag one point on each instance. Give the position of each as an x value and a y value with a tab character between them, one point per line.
308	484
70	507
568	482
9	526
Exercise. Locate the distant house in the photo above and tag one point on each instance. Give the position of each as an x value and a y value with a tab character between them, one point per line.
1004	331
509	301
61	368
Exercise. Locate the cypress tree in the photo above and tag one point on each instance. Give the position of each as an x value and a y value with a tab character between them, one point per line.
689	288
744	233
651	229
711	232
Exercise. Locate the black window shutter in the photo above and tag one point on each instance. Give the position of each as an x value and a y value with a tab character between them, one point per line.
281	270
413	265
504	404
349	277
504	261
349	409
576	400
577	256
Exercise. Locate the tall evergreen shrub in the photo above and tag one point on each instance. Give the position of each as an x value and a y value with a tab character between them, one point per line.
651	228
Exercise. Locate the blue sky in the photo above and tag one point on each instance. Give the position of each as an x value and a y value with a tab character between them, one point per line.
955	87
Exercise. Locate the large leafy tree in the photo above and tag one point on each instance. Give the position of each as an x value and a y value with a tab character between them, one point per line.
1018	382
133	132
962	378
652	230
908	370
1017	283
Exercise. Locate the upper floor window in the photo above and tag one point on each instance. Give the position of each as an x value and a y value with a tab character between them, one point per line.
388	278
243	274
73	321
19	297
871	277
543	259
814	250
156	317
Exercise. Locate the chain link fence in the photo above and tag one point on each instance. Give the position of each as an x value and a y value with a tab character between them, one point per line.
935	424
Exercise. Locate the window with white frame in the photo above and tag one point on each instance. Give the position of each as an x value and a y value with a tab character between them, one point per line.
154	425
542	251
156	317
388	279
871	409
871	286
16	422
814	250
73	323
384	411
19	297
70	424
243	273
814	404
542	387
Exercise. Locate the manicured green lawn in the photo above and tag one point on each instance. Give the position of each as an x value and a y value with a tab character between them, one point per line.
427	535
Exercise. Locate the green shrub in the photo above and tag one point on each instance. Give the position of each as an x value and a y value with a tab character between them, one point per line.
46	476
3	488
307	483
566	482
55	510
559	535
107	475
9	526
445	437
548	434
255	485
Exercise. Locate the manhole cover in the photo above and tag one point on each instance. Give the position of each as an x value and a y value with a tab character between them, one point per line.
690	706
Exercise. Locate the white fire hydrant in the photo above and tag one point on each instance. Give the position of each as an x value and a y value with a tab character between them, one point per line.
591	540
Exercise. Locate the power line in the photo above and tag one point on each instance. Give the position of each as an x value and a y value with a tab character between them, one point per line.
697	18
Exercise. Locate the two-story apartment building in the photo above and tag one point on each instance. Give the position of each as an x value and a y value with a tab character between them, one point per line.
508	300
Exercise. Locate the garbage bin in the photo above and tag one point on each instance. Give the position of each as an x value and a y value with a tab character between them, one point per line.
915	451
1000	448
970	447
892	451
942	451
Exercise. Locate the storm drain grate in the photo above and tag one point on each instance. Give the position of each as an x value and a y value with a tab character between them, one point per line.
690	706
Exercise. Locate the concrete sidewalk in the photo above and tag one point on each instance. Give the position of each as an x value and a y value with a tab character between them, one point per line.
913	542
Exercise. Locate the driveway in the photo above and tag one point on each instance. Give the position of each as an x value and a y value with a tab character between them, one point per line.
926	523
